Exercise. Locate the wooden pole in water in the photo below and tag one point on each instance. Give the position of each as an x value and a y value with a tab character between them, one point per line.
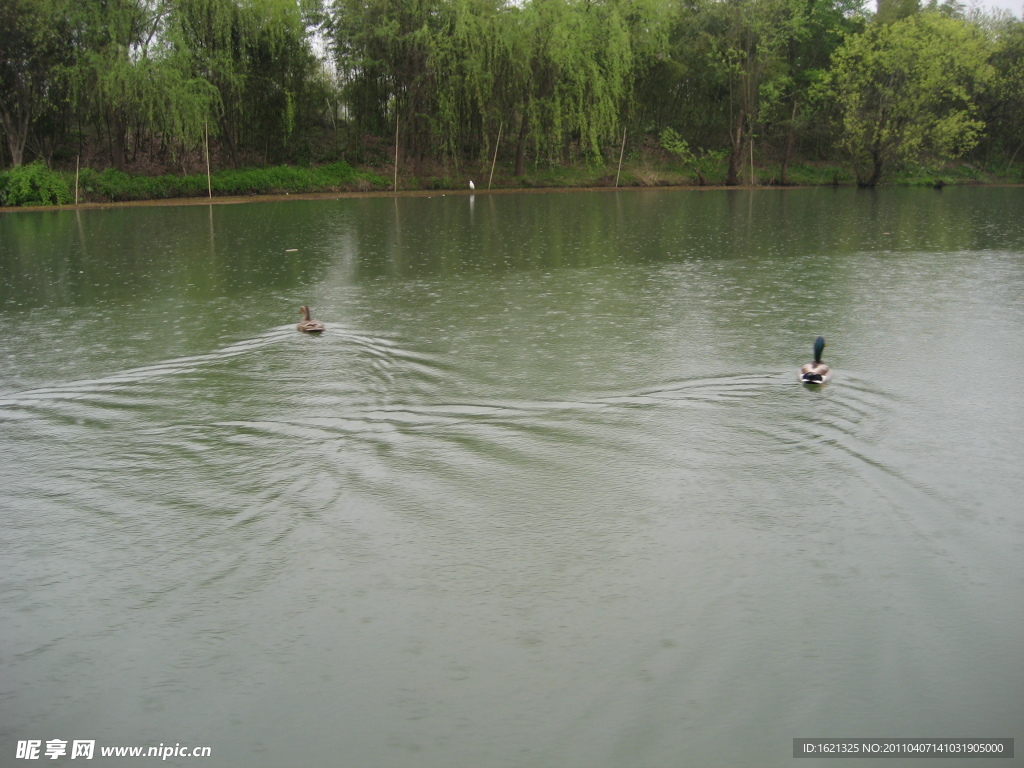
622	151
396	150
206	137
502	125
77	158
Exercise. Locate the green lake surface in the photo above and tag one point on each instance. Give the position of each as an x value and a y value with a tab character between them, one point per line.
545	494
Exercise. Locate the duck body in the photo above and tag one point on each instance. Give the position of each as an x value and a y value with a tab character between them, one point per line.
816	372
308	324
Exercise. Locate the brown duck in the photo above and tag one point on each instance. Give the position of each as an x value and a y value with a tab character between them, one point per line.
308	324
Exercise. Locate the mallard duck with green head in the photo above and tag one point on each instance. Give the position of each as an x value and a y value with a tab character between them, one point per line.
816	372
308	324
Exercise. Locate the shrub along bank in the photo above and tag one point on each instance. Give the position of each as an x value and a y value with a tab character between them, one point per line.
35	184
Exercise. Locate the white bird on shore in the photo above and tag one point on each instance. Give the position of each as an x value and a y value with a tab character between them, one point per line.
471	184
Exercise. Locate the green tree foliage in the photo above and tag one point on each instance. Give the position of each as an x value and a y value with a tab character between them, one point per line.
894	10
453	72
33	184
577	58
734	71
383	49
672	142
1002	105
752	56
905	88
115	81
478	89
35	63
277	81
679	88
257	57
816	29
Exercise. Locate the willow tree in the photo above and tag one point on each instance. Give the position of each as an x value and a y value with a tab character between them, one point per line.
574	74
182	108
257	56
284	94
114	77
647	23
904	89
473	99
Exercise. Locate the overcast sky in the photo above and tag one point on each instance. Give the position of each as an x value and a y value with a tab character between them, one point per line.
1013	6
1016	7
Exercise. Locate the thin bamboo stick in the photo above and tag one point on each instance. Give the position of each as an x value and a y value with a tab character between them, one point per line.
622	151
502	125
751	161
206	137
77	158
396	150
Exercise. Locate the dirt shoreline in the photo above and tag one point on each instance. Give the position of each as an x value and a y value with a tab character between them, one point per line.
235	200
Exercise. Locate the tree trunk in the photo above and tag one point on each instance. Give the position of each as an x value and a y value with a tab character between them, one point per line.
521	146
17	135
876	171
790	146
732	177
117	149
227	142
116	138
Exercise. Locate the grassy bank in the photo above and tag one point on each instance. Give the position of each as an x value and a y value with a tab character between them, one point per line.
37	185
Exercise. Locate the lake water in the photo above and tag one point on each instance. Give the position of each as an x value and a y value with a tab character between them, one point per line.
546	494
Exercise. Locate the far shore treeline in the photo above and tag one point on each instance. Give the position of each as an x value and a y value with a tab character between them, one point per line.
308	95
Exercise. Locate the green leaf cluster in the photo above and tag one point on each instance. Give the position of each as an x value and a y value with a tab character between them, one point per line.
907	87
33	184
